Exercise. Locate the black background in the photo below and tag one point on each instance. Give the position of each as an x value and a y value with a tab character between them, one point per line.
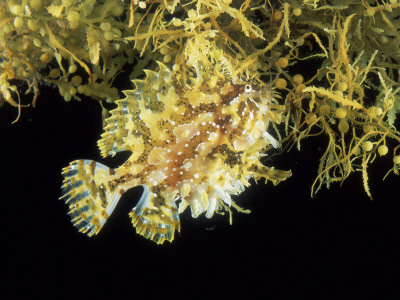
339	245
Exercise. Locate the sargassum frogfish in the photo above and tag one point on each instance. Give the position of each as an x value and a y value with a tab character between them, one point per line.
190	147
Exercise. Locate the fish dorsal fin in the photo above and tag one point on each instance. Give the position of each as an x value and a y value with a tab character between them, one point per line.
128	123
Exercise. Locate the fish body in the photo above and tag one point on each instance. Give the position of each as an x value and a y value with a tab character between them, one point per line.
190	148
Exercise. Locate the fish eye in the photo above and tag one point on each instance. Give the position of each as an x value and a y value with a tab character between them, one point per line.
247	88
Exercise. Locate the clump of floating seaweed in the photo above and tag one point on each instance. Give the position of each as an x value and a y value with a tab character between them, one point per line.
77	46
334	65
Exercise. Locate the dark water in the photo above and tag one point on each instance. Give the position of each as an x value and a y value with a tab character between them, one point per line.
339	245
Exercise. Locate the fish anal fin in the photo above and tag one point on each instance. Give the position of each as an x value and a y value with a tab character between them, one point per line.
155	217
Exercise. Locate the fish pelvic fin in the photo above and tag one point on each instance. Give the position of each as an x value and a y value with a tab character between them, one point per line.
91	197
155	217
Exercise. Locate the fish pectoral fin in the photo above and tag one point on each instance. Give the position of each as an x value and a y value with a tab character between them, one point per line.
155	217
86	190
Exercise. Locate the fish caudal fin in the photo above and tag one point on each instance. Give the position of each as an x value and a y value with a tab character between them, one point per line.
87	191
155	217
